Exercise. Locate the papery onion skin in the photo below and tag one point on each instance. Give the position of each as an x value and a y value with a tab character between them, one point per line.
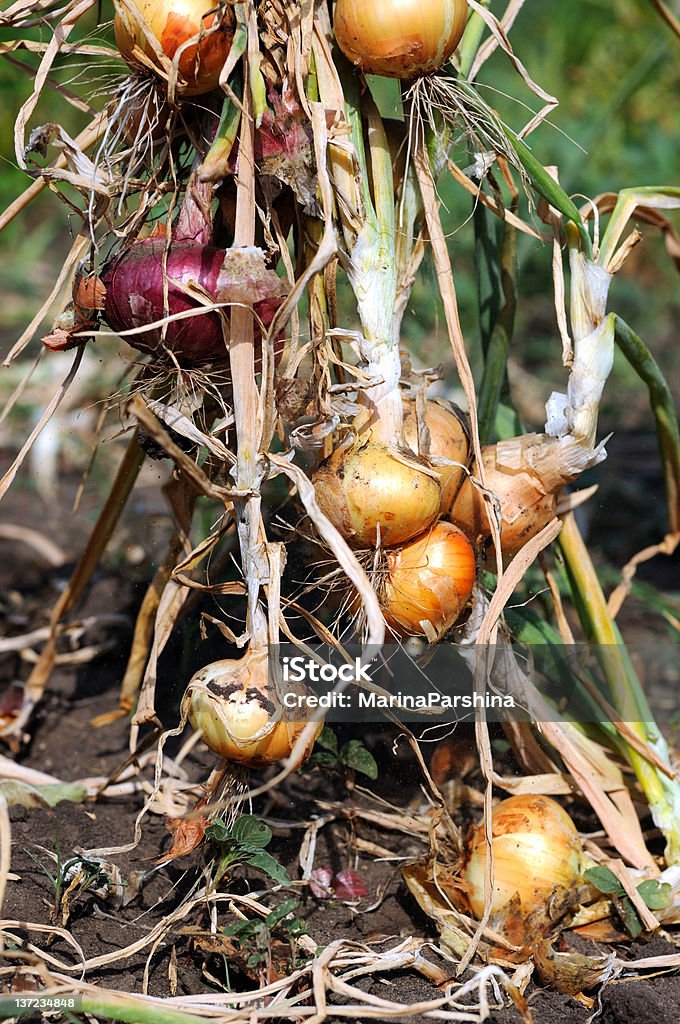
376	488
172	23
431	579
135	298
399	38
448	439
230	702
525	508
537	855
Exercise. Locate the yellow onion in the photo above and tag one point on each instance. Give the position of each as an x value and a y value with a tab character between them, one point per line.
537	857
233	704
428	580
448	440
524	505
373	486
399	38
172	23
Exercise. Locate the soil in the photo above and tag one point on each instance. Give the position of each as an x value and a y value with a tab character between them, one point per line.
63	742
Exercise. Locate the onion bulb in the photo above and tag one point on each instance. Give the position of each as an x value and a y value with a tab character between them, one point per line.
171	24
448	440
136	295
373	488
429	580
399	38
537	857
525	506
231	703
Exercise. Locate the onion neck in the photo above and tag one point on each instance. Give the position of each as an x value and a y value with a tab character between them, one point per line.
194	223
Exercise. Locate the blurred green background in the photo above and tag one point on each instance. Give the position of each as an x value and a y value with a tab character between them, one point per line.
614	69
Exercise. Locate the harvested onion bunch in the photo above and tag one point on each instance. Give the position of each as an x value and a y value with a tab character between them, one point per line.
373	491
399	38
428	582
233	704
147	31
538	860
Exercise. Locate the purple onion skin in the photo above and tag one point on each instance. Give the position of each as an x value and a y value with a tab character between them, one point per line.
134	297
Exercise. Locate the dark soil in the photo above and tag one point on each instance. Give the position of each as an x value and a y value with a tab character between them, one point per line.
64	743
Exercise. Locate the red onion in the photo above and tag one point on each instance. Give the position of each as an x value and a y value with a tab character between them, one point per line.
135	295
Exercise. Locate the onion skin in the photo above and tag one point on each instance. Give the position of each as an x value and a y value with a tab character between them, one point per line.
537	855
230	702
431	579
374	485
525	507
448	439
172	23
399	38
134	298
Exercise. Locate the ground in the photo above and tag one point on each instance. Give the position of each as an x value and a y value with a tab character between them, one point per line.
63	742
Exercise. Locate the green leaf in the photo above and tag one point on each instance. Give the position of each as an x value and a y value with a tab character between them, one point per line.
278	913
386	93
218	832
324	759
240	929
251	833
265	862
548	188
657	895
328	740
663	406
630	918
355	755
295	928
605	881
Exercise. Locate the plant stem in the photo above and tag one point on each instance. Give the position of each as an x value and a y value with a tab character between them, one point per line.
663	407
216	164
246	400
494	379
469	44
629	699
373	268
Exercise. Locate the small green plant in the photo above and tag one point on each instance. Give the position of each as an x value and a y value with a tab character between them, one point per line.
255	935
655	895
350	757
244	842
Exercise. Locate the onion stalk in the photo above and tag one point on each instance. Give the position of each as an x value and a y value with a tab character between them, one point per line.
347	492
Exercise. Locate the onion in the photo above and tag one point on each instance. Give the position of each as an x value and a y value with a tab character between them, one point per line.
428	580
135	294
524	505
231	703
374	487
171	23
399	38
537	857
448	440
